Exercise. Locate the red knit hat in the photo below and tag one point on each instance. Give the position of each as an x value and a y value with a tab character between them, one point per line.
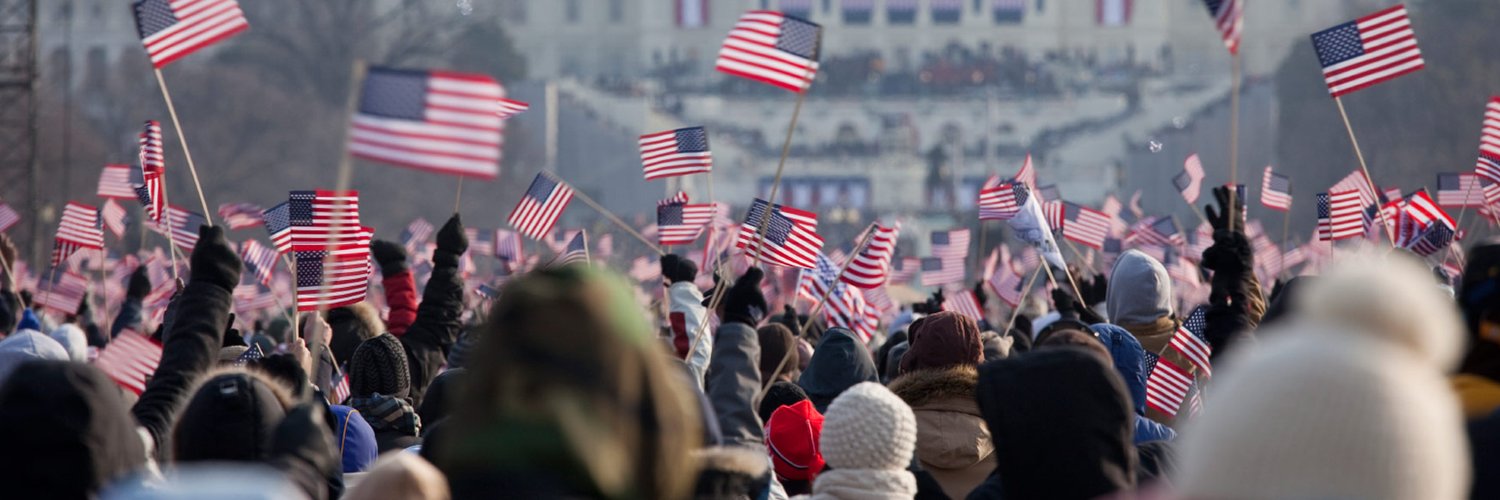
792	438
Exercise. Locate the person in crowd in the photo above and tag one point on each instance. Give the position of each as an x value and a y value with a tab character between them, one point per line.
792	435
686	315
839	362
868	438
938	376
1347	400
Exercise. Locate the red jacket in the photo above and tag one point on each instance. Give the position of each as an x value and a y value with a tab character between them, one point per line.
401	297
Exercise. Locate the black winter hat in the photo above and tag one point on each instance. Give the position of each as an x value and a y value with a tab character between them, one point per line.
780	394
440	395
232	416
66	430
379	367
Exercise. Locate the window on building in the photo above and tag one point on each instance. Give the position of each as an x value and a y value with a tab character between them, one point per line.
616	11
571	10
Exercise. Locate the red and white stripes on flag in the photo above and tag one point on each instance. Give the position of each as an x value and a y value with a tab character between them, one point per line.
1425	211
679	222
240	215
1340	215
436	121
677	152
171	29
113	217
114	183
871	266
64	293
1275	190
183	224
1194	349
791	237
1167	386
1367	51
337	282
1086	226
540	207
1190	181
79	226
964	302
1488	164
1007	284
772	48
507	108
1002	201
1460	190
325	220
152	191
938	271
260	260
1228	18
129	359
8	217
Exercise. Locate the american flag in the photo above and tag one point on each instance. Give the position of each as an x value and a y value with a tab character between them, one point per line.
63	293
791	237
1340	216
871	266
171	29
813	283
772	48
1434	239
78	228
435	121
183	224
250	355
260	261
130	359
1228	17
508	246
340	390
1190	181
952	244
322	219
114	183
1007	284
903	270
240	215
416	233
510	107
250	298
1488	166
675	152
341	281
540	207
1422	209
1459	190
481	241
1167	386
1276	190
937	271
113	216
1027	174
1054	212
965	303
151	192
1357	181
680	223
577	249
1367	51
1191	342
1002	202
1157	231
1086	226
847	308
278	223
8	217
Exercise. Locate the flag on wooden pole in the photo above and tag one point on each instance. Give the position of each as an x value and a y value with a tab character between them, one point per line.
540	207
436	121
675	152
772	48
1367	51
172	29
114	183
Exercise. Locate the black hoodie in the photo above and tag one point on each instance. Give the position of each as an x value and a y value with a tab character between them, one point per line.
839	362
1062	424
66	432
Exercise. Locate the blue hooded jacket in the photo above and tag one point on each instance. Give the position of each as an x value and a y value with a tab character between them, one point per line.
1130	361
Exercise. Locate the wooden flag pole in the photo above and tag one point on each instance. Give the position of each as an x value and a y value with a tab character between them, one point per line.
613	218
172	110
290	268
1234	124
1016	311
10	273
1390	238
458	196
1286	221
786	148
104	293
345	176
51	283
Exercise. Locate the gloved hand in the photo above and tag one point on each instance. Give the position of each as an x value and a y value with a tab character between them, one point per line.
1095	291
743	302
1230	214
214	261
676	269
1230	256
1069	308
451	237
83	306
390	256
139	286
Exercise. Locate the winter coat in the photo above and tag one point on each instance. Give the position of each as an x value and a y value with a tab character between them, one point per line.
686	316
354	439
438	322
401	297
1130	363
953	442
740	467
129	317
1061	422
66	432
839	362
1139	300
190	347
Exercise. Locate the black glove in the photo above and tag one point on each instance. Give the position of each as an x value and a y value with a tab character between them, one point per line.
1231	213
677	269
979	294
1066	305
1230	256
933	305
140	285
743	302
232	336
390	256
1096	291
451	237
213	260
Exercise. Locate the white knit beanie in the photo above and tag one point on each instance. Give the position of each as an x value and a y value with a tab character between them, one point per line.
1349	400
868	427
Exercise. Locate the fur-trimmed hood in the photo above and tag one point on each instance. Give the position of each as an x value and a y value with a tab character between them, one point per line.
922	389
951	434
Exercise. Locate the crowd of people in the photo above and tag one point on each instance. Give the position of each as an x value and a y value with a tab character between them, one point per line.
1369	380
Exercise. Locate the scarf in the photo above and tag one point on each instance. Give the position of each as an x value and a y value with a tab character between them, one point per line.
388	413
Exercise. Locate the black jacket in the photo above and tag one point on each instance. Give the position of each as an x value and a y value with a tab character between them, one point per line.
839	362
430	337
190	346
1062	423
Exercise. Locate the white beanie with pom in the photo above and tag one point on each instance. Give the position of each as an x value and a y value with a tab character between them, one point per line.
1348	400
868	438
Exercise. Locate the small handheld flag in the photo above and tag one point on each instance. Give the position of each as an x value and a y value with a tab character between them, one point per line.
675	152
172	29
540	207
1367	51
772	48
437	121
